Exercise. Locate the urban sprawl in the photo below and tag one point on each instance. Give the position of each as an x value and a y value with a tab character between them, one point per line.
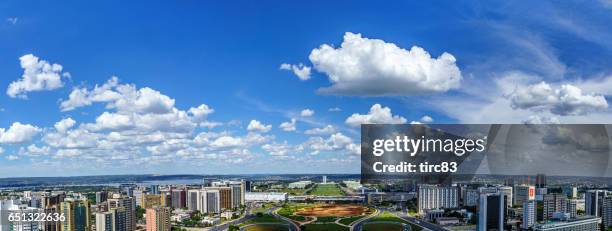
313	203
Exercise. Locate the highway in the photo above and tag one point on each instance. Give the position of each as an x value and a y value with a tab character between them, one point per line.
423	224
249	215
225	226
292	225
420	223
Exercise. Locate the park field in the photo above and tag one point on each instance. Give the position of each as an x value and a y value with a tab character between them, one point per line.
388	218
383	226
267	227
327	190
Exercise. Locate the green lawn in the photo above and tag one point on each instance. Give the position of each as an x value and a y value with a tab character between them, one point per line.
263	208
267	228
380	226
349	220
324	227
387	216
327	190
264	218
326	219
290	208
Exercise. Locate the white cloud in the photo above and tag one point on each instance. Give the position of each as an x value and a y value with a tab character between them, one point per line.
564	100
63	125
124	98
426	119
33	150
76	138
210	124
373	67
256	126
145	100
143	110
537	119
354	149
494	105
276	149
67	153
12	157
112	121
38	75
329	129
201	112
80	97
334	109
18	133
12	20
307	112
300	70
335	142
377	115
288	126
227	142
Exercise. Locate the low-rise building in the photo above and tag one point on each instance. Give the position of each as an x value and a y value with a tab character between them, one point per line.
265	196
579	224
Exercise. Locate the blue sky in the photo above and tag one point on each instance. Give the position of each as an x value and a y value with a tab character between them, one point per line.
504	62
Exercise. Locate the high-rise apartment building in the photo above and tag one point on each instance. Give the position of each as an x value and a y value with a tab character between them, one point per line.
552	203
158	219
128	205
104	221
523	193
101	197
529	214
237	194
572	208
606	211
179	198
77	215
211	201
193	196
151	200
540	181
492	212
593	202
437	197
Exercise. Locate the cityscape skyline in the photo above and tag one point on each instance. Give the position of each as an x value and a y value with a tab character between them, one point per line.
171	90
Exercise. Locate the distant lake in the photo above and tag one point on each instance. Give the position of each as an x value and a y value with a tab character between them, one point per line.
171	182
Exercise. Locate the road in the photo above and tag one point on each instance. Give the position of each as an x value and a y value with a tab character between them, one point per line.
225	226
292	225
420	223
357	225
423	224
249	215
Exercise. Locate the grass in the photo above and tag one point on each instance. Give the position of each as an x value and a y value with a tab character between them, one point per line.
292	191
390	217
326	219
349	220
324	227
327	190
296	218
264	218
263	208
382	226
288	209
267	227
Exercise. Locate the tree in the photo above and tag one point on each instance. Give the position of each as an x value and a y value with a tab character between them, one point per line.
140	212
